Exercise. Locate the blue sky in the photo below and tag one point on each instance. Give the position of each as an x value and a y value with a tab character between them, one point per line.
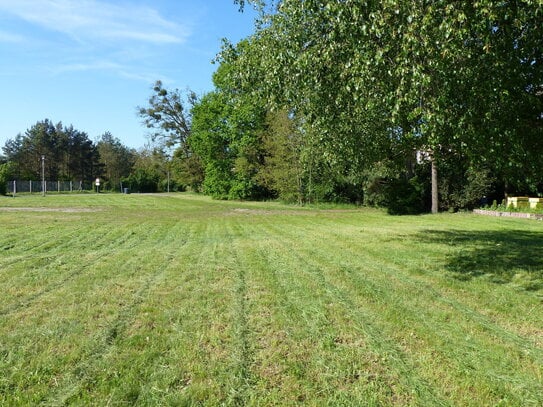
90	63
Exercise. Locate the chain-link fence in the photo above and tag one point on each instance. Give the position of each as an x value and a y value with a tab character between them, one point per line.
14	187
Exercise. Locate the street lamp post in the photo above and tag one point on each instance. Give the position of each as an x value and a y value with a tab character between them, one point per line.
43	175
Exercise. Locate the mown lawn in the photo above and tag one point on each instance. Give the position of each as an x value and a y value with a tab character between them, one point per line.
179	300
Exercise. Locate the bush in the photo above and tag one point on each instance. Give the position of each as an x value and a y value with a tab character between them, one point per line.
142	181
6	171
463	189
175	185
405	197
217	181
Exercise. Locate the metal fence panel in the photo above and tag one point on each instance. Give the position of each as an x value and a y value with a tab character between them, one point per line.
50	186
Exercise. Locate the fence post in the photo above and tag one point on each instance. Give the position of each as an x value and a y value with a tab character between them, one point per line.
14	188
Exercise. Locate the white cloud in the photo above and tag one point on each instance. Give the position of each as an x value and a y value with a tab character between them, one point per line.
123	71
90	20
92	66
117	37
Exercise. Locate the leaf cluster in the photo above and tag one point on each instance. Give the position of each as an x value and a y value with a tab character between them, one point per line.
168	115
65	153
374	81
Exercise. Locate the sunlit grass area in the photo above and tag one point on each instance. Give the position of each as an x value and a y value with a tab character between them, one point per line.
181	300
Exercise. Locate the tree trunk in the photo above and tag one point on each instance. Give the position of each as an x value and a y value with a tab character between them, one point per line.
435	198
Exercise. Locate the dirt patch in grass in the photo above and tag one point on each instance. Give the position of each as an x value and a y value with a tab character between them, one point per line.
42	209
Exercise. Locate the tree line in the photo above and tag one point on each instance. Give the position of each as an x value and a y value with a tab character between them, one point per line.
63	153
413	105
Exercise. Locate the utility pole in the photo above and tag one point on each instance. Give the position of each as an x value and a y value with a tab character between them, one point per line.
43	175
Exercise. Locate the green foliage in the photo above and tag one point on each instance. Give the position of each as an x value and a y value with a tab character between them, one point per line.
142	180
187	170
69	153
149	172
226	136
217	182
116	160
462	187
457	76
169	115
210	141
283	169
375	183
326	102
244	189
7	171
406	196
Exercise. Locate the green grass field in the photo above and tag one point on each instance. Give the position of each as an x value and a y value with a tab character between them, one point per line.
125	300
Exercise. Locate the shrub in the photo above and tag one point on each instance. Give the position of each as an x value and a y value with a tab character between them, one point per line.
142	181
217	181
6	173
405	197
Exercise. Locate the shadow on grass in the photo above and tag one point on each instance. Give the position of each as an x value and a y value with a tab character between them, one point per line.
503	256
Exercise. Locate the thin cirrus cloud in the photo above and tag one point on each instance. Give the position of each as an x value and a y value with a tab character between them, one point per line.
117	37
102	65
91	20
8	37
